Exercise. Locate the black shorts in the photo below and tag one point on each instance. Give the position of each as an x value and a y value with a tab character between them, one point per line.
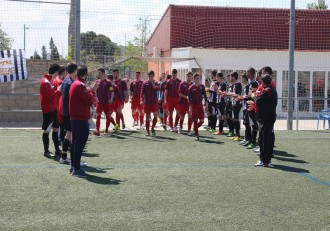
49	118
236	110
67	123
222	108
246	118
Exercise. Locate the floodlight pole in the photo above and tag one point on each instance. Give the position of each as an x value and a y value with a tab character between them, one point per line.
77	47
24	35
291	64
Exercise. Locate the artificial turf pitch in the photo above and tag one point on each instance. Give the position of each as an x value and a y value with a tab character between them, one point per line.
167	182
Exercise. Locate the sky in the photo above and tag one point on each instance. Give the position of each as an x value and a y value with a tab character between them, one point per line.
113	18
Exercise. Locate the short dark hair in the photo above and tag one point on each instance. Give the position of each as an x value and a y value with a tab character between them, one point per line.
196	75
189	73
266	79
214	73
174	71
71	67
268	70
168	76
53	68
101	70
244	76
254	84
151	73
251	69
138	72
110	77
220	75
82	71
115	70
61	70
234	74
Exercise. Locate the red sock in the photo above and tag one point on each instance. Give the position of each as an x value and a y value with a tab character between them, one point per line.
135	116
117	118
177	117
141	119
107	123
165	119
148	125
170	120
154	122
189	124
98	122
181	123
196	127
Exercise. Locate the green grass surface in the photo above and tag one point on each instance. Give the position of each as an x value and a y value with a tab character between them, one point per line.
169	182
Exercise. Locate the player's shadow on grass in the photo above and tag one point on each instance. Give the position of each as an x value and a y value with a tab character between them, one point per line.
103	180
210	141
116	136
85	154
283	153
100	180
148	139
164	137
290	169
290	160
91	169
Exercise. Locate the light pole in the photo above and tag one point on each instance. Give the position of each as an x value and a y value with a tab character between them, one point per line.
25	28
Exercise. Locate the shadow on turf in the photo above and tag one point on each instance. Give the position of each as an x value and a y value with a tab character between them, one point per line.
210	141
90	154
283	156
98	179
289	168
290	160
283	153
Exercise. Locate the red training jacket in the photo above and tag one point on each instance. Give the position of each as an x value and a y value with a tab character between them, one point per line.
48	94
80	99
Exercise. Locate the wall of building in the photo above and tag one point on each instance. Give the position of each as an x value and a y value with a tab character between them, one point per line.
19	101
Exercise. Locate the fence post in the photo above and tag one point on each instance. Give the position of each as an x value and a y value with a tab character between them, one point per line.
77	48
291	64
297	114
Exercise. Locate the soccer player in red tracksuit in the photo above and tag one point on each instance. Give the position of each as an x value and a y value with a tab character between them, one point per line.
162	100
48	96
172	98
122	87
80	99
137	108
149	98
105	95
183	105
196	95
57	82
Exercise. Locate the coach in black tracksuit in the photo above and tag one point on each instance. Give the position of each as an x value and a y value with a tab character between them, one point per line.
266	114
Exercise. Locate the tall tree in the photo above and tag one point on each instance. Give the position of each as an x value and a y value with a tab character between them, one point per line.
5	41
143	27
54	55
98	48
317	6
43	52
36	55
136	64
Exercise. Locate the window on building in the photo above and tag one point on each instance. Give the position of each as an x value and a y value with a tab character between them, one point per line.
274	77
318	89
303	90
285	91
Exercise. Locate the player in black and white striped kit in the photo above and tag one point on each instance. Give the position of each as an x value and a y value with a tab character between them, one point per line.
221	88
